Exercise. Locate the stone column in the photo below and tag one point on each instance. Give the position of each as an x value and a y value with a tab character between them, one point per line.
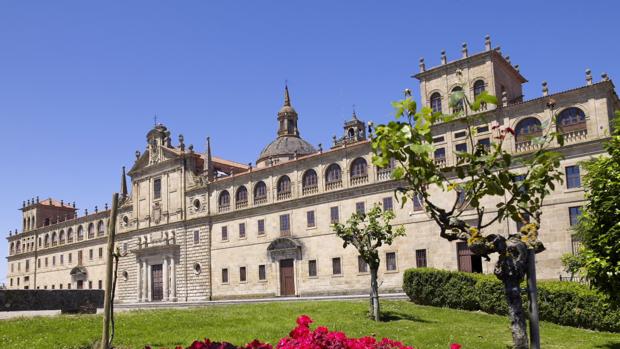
145	280
173	279
149	292
139	281
165	272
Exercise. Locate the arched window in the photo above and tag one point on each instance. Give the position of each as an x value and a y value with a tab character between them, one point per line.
70	235
284	188
18	247
478	88
12	247
309	180
54	239
260	192
436	102
458	107
527	129
241	198
61	237
47	240
571	119
27	223
359	168
100	228
223	202
80	233
91	231
333	176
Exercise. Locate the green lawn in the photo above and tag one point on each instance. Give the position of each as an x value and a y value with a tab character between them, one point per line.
420	326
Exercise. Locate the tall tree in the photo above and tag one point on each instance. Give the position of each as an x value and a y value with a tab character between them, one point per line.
485	170
599	226
367	232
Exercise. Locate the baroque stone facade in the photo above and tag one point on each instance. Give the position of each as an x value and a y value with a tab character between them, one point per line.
195	227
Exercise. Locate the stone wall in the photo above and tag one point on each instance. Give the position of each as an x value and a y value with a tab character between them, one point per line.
69	301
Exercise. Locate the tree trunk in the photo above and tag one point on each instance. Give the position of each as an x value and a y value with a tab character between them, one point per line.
516	313
374	294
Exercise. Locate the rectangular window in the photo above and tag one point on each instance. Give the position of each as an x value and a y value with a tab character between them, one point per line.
90	285
333	214
53	286
388	204
242	276
285	224
261	226
241	230
417	202
28	264
39	263
262	272
62	260
125	247
101	284
53	260
485	142
390	260
440	153
157	188
420	258
46	262
68	286
310	219
336	266
225	276
60	286
461	147
70	258
573	178
482	129
574	213
224	233
90	254
312	268
360	208
459	135
438	139
362	266
196	237
100	252
79	258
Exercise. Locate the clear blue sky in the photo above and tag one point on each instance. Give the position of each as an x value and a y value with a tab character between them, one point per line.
80	81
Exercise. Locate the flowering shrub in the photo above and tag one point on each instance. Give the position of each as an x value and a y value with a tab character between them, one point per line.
302	337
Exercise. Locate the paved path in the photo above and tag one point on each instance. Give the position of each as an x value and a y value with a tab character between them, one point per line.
184	305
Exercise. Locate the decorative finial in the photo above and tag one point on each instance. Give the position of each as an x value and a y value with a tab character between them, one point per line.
605	77
335	139
370	124
137	154
407	92
85	212
498	50
545	88
504	98
155	120
62	203
517	67
320	147
181	144
28	202
354	114
24	203
191	149
287	97
37	199
464	50
507	59
588	77
487	43
422	65
96	209
123	183
444	59
73	204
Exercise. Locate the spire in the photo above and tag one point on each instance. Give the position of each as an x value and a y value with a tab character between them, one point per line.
209	160
123	184
354	116
287	98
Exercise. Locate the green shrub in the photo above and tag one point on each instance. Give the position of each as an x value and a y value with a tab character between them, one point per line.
563	303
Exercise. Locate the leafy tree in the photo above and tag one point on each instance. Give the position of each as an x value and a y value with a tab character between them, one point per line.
367	232
599	226
482	171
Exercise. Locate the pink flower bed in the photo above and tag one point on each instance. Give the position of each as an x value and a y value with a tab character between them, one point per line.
302	337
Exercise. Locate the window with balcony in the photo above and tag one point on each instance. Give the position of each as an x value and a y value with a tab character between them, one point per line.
359	171
309	182
260	193
91	231
525	130
572	121
284	188
241	198
333	177
223	203
435	102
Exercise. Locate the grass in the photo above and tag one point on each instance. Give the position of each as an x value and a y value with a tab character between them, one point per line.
420	326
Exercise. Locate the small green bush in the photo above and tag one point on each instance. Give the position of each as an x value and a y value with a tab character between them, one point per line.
563	303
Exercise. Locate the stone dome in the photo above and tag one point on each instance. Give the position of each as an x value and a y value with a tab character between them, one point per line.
286	146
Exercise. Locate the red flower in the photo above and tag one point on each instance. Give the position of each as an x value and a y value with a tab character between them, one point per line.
304	320
455	346
508	129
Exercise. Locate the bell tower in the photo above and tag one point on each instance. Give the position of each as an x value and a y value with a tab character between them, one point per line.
287	118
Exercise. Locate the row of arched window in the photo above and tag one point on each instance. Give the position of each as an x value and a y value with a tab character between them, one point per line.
435	100
309	182
569	120
54	238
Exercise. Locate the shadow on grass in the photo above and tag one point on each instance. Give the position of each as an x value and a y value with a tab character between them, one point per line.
615	345
390	315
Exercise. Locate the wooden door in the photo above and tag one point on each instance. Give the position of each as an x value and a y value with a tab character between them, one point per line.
157	283
467	260
287	278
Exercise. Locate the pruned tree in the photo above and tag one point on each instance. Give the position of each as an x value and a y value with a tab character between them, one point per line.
485	170
367	232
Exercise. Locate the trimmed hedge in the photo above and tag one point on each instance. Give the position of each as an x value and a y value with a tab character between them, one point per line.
563	303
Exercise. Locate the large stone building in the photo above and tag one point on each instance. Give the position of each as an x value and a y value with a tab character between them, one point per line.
195	227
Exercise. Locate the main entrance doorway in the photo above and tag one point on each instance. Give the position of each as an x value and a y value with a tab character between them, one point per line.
287	277
157	283
467	260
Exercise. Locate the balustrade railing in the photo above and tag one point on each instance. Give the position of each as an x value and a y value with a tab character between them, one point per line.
241	204
223	208
383	174
333	185
575	135
441	162
359	180
260	200
284	195
310	190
